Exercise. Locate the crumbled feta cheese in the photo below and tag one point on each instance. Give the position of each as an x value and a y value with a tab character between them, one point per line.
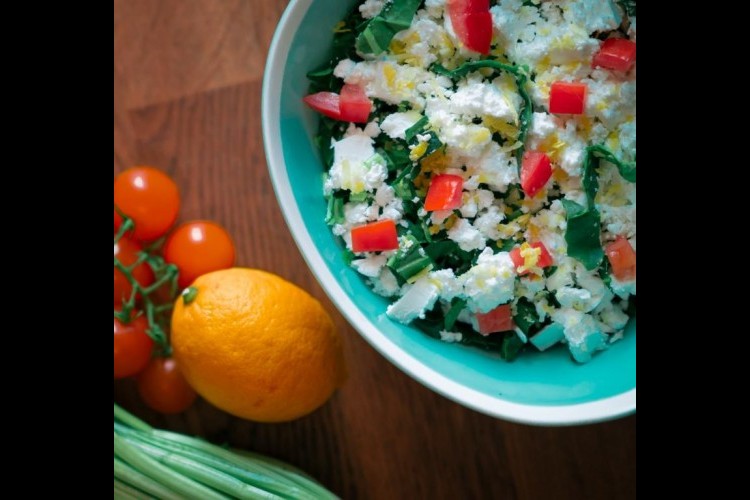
451	337
581	333
370	266
418	299
490	282
371	8
466	235
396	124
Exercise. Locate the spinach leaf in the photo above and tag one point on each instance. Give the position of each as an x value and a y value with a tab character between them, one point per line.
511	346
590	178
628	6
417	128
457	305
396	16
583	234
344	37
526	317
626	169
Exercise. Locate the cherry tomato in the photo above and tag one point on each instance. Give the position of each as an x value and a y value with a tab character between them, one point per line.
126	251
472	23
132	347
536	170
567	98
354	104
499	319
197	248
326	103
444	193
375	237
615	53
622	258
163	388
148	196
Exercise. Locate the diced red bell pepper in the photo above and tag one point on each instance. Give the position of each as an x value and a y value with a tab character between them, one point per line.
615	53
545	259
622	258
567	98
500	319
326	103
354	104
375	237
536	170
444	193
472	23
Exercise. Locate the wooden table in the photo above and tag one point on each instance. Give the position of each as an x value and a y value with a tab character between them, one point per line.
187	100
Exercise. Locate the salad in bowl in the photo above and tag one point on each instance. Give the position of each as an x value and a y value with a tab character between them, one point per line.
480	166
460	178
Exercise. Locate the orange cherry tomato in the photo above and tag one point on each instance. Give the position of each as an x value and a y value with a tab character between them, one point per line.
126	251
148	196
132	347
197	248
163	388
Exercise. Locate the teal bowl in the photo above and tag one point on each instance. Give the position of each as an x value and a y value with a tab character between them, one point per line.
546	388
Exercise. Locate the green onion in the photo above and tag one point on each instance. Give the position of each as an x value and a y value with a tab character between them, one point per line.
152	463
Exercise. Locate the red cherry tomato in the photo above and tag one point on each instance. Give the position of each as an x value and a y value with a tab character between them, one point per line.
622	258
444	193
545	259
472	23
567	98
536	170
354	104
132	347
326	103
615	53
500	319
197	248
163	388
375	237
126	251
148	196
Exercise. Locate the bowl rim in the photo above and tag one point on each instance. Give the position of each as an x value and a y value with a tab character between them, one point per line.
581	413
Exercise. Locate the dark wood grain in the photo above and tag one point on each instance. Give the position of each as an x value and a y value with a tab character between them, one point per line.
187	99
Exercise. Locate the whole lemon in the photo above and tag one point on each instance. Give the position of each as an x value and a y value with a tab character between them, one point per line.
257	346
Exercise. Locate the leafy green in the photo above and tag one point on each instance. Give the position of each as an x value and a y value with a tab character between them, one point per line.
626	169
511	346
396	16
410	261
457	305
417	128
628	6
526	317
344	36
583	234
335	211
521	75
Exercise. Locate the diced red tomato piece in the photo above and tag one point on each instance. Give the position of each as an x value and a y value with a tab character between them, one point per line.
444	193
622	258
326	103
472	23
615	53
567	97
545	259
375	237
536	170
354	104
500	319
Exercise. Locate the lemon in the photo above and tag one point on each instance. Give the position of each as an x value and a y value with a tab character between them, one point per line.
257	346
